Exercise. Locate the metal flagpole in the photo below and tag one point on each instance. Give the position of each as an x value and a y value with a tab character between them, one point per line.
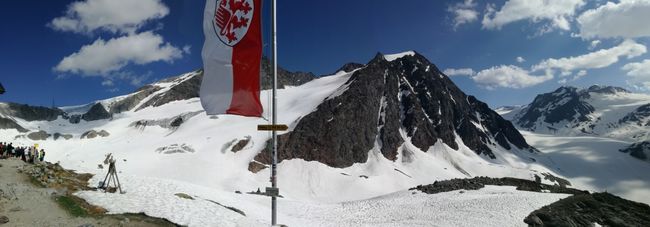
274	64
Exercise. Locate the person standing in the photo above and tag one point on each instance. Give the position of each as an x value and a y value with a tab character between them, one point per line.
42	155
10	150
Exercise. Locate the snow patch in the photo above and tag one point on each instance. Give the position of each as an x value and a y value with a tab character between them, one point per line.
393	57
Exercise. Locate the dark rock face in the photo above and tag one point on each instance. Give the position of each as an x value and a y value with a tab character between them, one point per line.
639	150
285	78
133	100
75	119
96	112
586	209
31	113
186	88
409	93
565	103
6	123
638	116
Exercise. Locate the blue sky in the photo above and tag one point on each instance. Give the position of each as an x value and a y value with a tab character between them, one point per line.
558	42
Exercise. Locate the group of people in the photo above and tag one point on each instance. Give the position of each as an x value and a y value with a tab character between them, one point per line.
27	154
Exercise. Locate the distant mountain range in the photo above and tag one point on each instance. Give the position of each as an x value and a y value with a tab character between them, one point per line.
603	111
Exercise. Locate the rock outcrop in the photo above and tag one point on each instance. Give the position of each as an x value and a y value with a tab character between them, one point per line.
96	112
39	135
93	134
6	123
30	113
640	150
587	209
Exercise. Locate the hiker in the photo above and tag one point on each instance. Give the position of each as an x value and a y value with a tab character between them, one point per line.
30	154
42	156
2	149
22	154
10	150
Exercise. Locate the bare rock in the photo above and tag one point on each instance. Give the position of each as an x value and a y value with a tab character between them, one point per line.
40	135
256	166
241	144
184	196
93	134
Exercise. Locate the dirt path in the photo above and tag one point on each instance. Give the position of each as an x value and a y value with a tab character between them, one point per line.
23	203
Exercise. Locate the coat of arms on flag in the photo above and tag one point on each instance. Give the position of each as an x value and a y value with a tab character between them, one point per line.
232	19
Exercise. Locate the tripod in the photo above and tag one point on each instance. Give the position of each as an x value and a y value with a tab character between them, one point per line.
111	176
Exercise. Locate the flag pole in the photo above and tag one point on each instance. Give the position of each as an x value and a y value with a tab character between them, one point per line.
274	64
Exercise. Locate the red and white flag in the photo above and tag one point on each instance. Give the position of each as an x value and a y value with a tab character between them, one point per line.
231	57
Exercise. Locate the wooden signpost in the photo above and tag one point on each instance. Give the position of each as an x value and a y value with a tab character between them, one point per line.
272	127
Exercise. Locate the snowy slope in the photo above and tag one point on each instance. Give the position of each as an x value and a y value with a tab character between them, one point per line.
490	206
594	163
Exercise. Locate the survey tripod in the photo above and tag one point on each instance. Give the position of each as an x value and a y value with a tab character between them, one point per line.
111	177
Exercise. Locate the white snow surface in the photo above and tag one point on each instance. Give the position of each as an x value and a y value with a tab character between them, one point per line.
393	57
594	163
374	193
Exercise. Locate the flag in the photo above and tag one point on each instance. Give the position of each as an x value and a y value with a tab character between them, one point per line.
231	57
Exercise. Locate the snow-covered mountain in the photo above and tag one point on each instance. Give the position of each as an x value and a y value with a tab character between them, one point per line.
602	111
598	111
393	101
364	132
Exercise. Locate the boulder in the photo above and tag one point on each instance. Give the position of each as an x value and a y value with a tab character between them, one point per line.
92	134
40	135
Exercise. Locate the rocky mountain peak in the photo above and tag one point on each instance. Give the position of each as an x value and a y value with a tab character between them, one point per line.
406	94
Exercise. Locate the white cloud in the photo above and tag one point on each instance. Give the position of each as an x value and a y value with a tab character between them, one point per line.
598	59
102	58
626	19
594	44
556	12
108	83
464	13
580	74
459	72
639	73
508	76
117	16
638	69
520	59
187	49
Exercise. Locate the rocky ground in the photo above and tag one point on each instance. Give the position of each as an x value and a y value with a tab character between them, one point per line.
41	195
580	209
480	182
585	210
